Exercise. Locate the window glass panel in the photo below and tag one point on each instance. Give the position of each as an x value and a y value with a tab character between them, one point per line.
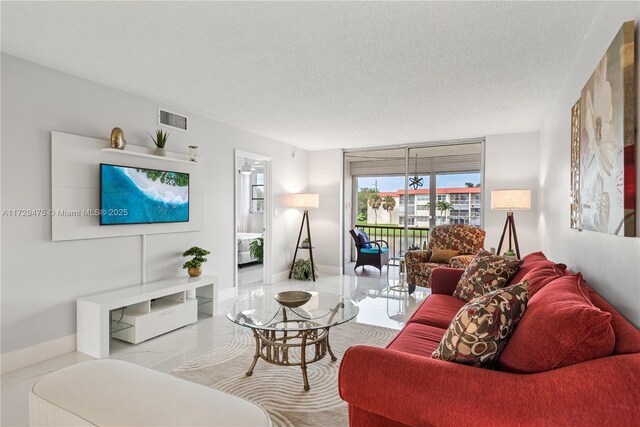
257	193
458	198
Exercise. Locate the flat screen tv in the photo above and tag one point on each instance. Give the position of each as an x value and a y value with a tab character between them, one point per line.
131	195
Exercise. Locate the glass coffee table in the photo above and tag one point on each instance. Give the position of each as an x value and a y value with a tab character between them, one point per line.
291	336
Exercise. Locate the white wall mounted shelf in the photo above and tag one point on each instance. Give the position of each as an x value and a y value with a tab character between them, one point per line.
133	150
143	312
75	186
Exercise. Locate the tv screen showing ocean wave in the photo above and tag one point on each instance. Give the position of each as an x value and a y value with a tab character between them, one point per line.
142	196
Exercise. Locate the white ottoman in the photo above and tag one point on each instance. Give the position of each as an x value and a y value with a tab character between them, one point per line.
115	393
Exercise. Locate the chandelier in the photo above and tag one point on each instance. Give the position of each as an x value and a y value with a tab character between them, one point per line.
415	181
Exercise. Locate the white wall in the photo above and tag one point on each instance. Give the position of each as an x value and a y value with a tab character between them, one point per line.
41	279
511	162
610	264
325	172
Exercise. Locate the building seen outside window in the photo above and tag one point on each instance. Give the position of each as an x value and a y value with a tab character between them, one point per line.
453	206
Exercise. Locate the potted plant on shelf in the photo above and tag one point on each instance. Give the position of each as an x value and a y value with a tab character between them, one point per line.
160	140
510	254
193	265
302	270
256	249
305	243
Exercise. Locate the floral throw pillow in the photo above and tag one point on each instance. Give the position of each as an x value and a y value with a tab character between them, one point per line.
481	329
486	273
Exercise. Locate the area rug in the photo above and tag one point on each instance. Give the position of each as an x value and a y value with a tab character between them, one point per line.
278	389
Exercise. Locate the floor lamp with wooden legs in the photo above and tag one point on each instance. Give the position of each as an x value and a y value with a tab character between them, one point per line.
304	201
510	200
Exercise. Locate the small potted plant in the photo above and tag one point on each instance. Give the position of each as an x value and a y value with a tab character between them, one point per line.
256	249
510	254
160	140
305	243
302	270
193	265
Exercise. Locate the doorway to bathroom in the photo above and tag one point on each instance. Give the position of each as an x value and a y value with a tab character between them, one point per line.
252	236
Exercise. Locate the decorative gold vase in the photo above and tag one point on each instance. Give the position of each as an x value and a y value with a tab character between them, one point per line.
117	139
194	271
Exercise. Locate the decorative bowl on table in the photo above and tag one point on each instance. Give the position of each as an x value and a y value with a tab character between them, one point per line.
293	299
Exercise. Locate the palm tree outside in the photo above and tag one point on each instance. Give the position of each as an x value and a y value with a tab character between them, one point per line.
389	204
443	206
375	201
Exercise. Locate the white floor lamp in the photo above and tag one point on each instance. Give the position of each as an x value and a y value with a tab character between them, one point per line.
304	201
510	200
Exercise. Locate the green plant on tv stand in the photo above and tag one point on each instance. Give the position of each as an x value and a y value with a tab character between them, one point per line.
198	255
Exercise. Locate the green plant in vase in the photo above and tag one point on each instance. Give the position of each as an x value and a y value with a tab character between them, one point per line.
256	249
302	270
194	264
306	243
160	141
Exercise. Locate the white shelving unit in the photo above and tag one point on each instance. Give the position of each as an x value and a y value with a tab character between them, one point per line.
133	150
141	312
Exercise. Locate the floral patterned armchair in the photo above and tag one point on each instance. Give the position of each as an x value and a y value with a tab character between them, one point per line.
466	239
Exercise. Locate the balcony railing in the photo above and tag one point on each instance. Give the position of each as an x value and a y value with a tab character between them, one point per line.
394	236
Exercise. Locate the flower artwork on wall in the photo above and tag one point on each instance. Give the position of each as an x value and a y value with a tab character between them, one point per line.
607	190
575	166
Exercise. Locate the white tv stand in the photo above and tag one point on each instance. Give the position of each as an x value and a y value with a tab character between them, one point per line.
141	312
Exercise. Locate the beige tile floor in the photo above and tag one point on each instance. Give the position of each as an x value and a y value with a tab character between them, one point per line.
378	306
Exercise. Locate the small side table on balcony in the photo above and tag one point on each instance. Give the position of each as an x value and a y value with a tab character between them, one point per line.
401	284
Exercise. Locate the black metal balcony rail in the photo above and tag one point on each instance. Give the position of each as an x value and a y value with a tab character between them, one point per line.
394	235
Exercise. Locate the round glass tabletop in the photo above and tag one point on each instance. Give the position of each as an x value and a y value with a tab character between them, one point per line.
259	310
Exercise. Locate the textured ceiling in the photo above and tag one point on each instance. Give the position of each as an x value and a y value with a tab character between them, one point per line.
318	75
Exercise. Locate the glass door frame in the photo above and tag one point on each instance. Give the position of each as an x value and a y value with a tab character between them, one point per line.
432	182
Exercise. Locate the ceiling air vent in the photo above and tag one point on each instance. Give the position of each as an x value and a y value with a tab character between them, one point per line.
172	120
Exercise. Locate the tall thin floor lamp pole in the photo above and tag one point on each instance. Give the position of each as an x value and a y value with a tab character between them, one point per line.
304	201
510	200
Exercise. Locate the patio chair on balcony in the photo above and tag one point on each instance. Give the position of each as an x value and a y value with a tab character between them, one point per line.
370	252
465	240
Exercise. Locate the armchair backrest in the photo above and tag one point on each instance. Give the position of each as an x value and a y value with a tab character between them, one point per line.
360	238
464	238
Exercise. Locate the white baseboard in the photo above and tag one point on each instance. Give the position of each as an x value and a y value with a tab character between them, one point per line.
326	270
226	294
280	277
37	353
329	270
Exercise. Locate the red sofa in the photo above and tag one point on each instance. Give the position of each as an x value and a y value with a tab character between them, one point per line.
401	385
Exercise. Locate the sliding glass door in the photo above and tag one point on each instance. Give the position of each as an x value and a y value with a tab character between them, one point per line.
399	194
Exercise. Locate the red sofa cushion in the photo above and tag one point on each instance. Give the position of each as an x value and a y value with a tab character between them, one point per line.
560	327
417	339
627	336
437	310
538	271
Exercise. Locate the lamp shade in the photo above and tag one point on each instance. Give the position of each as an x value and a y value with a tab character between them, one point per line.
304	200
511	200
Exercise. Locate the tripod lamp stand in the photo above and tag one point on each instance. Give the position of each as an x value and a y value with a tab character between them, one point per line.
304	201
510	200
